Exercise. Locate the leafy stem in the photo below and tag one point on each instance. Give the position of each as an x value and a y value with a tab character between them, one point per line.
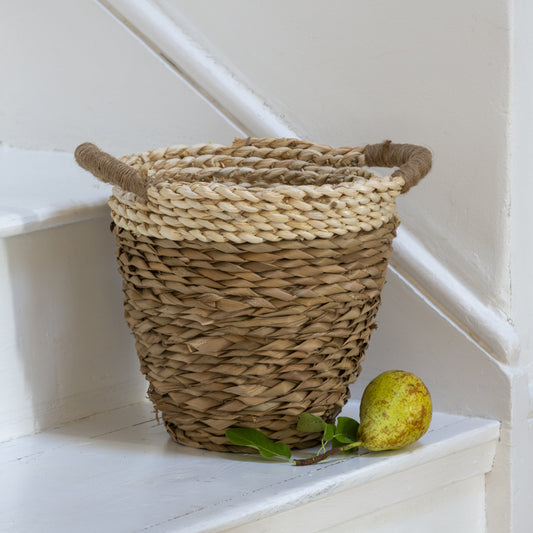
342	435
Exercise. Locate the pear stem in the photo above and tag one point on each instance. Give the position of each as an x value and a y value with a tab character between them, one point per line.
325	455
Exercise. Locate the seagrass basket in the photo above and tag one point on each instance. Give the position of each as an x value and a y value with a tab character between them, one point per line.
252	275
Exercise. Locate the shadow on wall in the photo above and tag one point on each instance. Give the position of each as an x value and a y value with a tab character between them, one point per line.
75	354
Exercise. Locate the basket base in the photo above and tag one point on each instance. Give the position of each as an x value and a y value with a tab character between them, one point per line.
298	441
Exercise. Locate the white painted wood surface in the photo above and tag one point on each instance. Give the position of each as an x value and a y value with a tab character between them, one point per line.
65	350
487	325
120	472
458	507
40	190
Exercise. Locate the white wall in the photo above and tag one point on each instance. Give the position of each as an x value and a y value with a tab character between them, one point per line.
71	73
522	180
521	174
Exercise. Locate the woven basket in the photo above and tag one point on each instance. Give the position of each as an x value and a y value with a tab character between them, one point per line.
252	275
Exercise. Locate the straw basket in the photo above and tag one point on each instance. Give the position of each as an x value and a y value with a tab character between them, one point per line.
252	275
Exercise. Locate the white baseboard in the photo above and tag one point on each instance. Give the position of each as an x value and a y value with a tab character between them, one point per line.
241	106
34	417
486	326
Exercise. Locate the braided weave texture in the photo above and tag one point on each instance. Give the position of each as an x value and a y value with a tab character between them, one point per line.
274	190
251	335
252	278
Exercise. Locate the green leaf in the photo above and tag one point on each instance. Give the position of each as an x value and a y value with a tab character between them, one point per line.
309	423
258	440
346	430
329	431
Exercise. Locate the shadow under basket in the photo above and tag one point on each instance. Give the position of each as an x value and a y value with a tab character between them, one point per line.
252	275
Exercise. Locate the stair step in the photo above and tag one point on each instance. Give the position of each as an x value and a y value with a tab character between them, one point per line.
65	350
119	471
45	189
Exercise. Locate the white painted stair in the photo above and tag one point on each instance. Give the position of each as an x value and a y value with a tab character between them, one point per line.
81	450
65	351
41	190
119	471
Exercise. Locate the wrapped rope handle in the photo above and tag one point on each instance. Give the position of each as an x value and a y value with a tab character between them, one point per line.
109	169
414	163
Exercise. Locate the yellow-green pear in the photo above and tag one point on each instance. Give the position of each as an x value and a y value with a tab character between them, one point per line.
395	411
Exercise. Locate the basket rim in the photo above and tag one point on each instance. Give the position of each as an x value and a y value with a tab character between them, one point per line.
358	183
413	162
214	209
217	203
255	168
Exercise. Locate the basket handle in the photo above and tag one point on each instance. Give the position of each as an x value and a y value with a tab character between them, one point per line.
109	170
414	162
